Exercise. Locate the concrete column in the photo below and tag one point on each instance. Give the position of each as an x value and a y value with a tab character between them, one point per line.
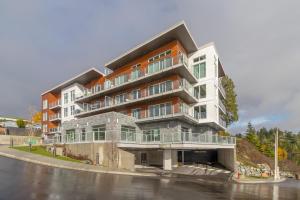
167	159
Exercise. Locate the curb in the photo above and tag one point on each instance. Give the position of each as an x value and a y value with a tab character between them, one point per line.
259	181
75	168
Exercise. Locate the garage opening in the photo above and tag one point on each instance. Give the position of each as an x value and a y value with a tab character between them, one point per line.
190	157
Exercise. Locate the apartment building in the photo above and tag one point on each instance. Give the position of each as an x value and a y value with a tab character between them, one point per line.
159	103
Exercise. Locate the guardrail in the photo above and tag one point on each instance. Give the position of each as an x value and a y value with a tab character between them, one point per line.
142	138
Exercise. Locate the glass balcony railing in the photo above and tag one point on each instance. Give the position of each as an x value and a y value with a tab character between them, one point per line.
135	97
146	137
222	90
222	105
55	117
55	104
152	68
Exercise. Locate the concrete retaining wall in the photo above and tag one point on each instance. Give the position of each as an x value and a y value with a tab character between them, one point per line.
227	158
105	153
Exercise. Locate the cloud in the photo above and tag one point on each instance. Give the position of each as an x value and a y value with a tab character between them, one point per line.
46	42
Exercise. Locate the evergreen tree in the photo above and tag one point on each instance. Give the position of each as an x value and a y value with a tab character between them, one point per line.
230	101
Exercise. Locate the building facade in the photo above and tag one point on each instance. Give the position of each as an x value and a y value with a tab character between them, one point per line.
160	101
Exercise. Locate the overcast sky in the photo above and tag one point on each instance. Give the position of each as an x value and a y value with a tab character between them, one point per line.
43	43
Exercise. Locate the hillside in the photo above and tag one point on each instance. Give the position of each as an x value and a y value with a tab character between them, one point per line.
249	155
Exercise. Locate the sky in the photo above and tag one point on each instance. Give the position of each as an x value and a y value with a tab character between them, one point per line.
43	43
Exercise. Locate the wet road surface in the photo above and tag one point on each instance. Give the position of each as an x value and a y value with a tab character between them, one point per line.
22	180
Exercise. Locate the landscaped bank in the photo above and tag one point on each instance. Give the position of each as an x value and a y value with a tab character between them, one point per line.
41	150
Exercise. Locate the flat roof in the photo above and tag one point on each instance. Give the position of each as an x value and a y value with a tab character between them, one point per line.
82	78
178	32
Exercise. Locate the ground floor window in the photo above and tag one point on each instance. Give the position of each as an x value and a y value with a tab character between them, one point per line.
70	135
128	133
83	134
152	135
99	132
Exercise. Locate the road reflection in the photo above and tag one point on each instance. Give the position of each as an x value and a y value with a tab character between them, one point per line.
21	180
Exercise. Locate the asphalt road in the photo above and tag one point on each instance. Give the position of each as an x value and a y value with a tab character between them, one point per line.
22	180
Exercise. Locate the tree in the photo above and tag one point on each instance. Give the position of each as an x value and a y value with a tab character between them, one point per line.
230	101
21	123
251	135
37	118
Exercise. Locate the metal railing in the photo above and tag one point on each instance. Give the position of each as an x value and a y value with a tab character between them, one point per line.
55	117
222	90
152	68
222	105
141	138
55	104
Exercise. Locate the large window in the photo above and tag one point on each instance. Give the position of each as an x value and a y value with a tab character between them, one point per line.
45	116
72	95
136	113
136	73
99	132
45	104
203	112
120	98
160	88
152	135
128	133
160	109
45	128
66	98
70	135
65	112
159	62
200	70
202	91
136	94
83	135
121	79
72	108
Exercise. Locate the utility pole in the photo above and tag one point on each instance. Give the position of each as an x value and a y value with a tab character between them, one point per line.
276	169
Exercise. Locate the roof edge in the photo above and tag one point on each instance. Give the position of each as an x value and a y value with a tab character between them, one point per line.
71	79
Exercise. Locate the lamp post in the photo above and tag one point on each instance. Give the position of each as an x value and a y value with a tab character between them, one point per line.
276	169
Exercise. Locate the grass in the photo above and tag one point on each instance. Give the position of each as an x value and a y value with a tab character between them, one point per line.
43	152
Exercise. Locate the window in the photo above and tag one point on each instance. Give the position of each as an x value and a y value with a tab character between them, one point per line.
70	135
65	112
72	108
202	91
83	134
136	113
136	94
184	134
159	62
66	98
45	116
160	109
121	79
72	95
45	128
136	73
99	132
160	88
120	98
200	70
203	113
203	57
45	104
196	92
107	84
152	135
128	133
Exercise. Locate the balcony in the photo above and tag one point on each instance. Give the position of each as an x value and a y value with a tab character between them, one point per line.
222	122
222	106
108	104
55	105
55	117
55	130
156	70
221	88
140	139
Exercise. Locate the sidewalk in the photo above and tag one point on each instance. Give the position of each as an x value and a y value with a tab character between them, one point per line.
52	162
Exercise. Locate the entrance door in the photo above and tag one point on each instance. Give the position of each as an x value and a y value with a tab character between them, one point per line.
144	158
